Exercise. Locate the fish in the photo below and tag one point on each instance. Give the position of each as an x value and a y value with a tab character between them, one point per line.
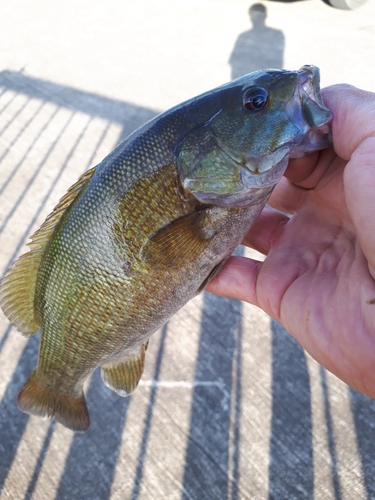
143	232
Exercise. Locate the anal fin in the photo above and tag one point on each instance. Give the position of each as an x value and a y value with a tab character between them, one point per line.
124	377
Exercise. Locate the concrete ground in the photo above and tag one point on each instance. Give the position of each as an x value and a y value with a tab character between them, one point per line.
230	406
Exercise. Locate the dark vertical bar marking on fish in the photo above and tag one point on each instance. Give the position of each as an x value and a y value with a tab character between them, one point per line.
148	419
363	409
291	469
207	456
330	436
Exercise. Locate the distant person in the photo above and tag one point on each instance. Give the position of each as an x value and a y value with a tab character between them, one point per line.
259	48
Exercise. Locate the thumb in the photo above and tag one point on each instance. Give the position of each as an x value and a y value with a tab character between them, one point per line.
359	185
353	113
353	130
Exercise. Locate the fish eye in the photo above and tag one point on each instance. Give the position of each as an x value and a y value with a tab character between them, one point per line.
256	99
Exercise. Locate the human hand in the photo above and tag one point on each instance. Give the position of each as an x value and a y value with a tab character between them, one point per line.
318	277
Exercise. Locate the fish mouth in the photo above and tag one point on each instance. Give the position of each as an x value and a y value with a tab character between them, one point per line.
255	177
267	170
258	164
309	114
262	171
314	111
307	76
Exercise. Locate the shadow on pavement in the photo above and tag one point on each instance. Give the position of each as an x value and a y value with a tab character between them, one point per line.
261	47
291	470
363	409
96	450
12	422
213	450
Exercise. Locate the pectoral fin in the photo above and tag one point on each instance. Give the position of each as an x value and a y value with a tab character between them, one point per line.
124	377
182	240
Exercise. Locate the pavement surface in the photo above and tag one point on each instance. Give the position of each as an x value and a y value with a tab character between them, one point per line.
230	406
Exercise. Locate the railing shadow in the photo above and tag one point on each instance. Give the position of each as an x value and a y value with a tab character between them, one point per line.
291	469
363	409
100	444
213	448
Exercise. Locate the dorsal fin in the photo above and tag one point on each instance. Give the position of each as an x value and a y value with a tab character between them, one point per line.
17	289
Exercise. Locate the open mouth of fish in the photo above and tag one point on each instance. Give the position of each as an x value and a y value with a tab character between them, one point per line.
314	112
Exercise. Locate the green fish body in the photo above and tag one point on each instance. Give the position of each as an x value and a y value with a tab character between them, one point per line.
142	233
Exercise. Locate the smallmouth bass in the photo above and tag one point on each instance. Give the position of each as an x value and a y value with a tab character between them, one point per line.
143	232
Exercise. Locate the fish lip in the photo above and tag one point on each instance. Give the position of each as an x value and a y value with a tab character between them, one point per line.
307	76
309	81
253	164
237	200
308	113
274	166
306	91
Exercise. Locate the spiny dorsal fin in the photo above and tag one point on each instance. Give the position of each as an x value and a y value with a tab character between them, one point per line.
17	289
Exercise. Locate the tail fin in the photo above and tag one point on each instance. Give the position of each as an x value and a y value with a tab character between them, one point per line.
39	400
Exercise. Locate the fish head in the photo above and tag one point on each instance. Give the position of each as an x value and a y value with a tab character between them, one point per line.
261	120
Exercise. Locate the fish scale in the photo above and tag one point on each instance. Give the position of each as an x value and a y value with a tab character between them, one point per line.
142	233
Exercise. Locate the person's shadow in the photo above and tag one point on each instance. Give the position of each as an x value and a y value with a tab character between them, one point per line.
291	466
260	47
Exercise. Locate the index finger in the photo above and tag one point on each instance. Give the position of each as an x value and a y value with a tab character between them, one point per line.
306	172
